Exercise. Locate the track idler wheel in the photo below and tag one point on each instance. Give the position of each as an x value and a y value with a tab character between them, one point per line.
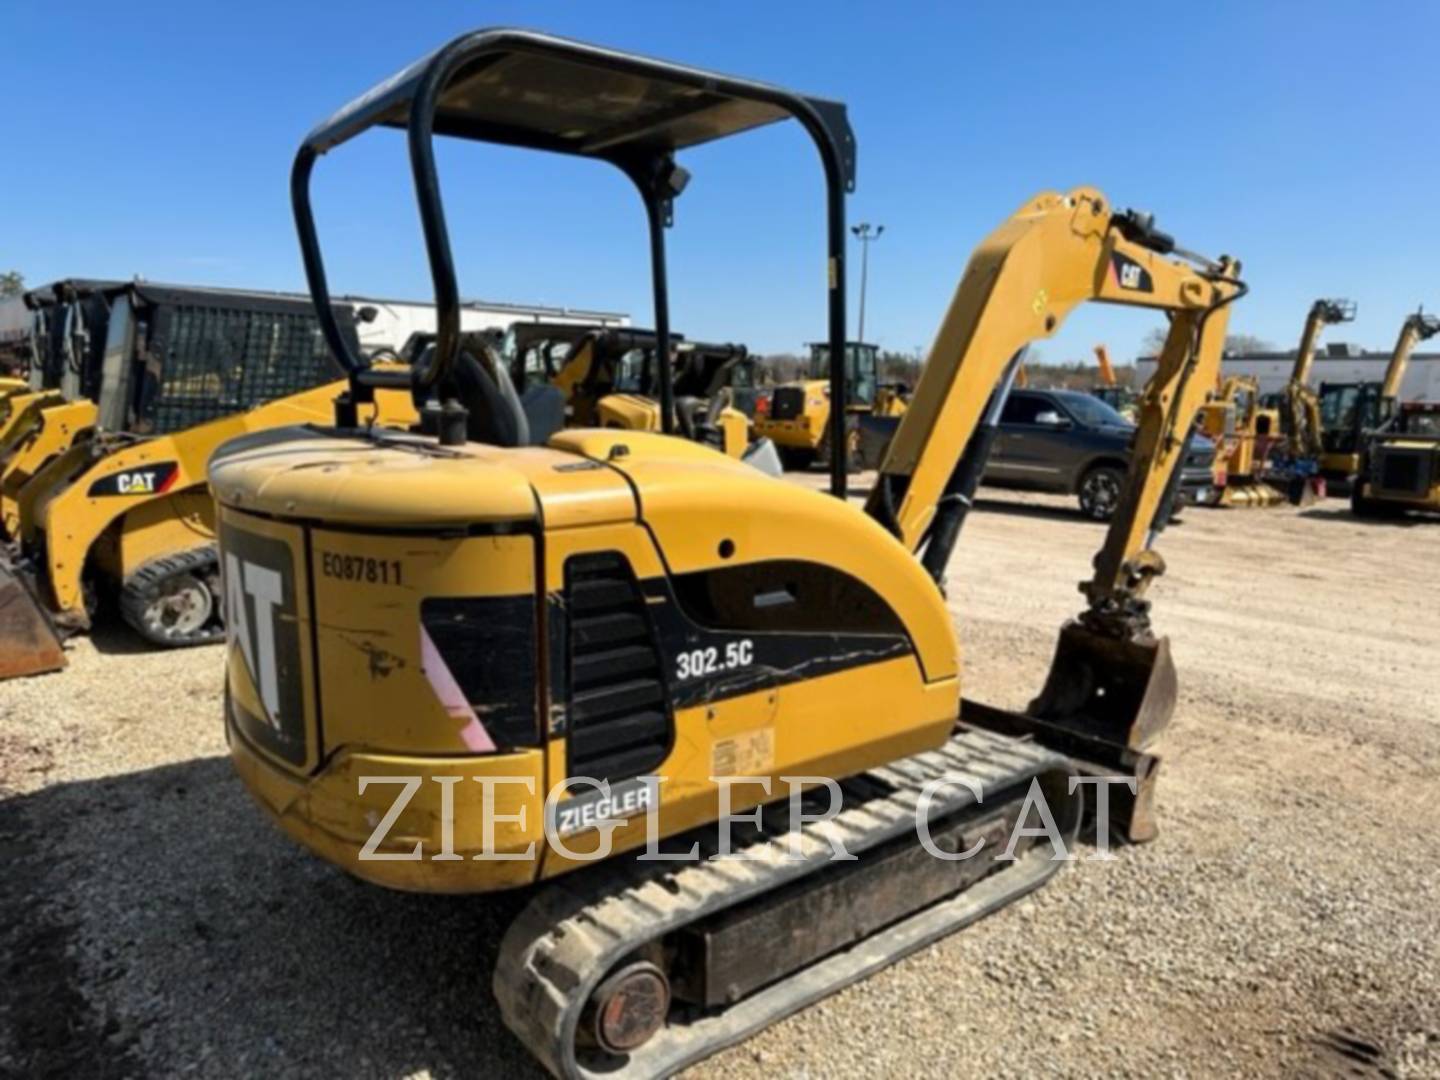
627	1009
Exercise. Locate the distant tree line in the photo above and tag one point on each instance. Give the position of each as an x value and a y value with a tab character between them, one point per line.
1076	375
12	283
791	367
1235	344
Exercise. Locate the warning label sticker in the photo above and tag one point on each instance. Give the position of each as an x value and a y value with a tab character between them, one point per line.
751	753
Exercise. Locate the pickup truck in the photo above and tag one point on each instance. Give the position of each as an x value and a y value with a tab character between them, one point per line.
1068	443
1072	443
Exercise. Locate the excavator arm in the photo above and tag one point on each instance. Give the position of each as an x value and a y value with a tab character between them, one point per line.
1111	687
1302	405
1416	328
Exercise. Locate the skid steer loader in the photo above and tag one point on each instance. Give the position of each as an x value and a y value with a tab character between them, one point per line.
69	326
655	634
120	512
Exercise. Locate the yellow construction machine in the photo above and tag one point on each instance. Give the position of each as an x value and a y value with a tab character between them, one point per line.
462	664
1399	468
1122	399
1349	410
608	377
1245	432
57	406
704	398
121	514
1300	405
798	421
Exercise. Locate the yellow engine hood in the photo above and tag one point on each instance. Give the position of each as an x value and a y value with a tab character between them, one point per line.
400	481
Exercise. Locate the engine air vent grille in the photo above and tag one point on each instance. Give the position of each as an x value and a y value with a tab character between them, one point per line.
619	713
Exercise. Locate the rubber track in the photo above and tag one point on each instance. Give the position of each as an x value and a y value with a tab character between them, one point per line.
578	927
136	595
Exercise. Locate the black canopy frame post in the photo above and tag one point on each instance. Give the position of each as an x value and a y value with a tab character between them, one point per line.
659	180
527	89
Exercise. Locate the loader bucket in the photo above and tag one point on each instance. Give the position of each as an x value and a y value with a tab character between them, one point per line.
1103	703
29	644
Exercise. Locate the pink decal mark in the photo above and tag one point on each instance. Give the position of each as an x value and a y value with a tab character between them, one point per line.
472	732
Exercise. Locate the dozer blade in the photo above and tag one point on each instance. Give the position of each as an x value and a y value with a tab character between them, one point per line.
29	644
1104	701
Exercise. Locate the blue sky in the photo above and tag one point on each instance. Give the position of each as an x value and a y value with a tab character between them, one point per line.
156	138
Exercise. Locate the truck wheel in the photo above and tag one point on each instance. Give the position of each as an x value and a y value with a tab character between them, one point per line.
1100	492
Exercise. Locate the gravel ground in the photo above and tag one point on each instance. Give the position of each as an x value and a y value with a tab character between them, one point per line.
1285	923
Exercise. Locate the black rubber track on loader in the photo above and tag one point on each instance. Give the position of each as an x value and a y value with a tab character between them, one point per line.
143	586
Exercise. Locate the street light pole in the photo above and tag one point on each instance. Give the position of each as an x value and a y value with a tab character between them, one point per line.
866	233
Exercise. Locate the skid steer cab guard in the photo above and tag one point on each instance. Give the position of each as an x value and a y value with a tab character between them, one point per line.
122	513
68	339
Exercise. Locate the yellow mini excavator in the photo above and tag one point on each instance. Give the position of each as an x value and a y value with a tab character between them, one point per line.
462	664
1349	410
120	513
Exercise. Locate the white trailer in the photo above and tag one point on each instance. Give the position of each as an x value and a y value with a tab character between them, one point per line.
1335	364
395	320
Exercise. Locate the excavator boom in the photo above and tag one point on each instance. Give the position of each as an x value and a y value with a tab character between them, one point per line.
1111	687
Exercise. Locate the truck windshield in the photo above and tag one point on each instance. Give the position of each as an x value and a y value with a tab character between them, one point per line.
1093	411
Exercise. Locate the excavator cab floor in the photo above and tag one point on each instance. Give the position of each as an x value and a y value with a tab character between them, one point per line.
29	642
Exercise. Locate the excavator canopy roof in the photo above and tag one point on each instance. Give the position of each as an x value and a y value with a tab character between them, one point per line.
535	90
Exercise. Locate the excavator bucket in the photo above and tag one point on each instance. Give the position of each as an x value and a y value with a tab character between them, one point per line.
1103	703
29	644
